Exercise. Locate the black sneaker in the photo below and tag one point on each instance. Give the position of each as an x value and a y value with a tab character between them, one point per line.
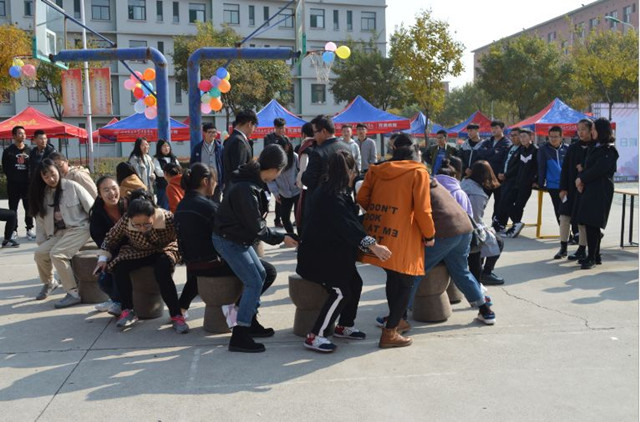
579	254
486	315
10	243
588	264
241	341
491	279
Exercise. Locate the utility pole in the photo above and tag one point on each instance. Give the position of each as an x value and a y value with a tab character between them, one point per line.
87	93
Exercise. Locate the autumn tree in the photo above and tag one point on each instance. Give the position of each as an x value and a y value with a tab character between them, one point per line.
13	42
254	82
527	72
425	54
606	66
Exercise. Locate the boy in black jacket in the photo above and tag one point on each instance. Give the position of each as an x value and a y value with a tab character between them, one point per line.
15	164
507	180
525	181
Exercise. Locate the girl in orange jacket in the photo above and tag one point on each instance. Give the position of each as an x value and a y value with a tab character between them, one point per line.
174	191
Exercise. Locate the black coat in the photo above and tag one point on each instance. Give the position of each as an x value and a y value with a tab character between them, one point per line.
597	176
318	160
195	218
328	249
35	157
15	164
241	216
100	223
236	152
576	154
494	154
528	167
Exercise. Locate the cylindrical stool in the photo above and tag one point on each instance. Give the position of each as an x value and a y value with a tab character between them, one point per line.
431	303
455	295
83	263
147	301
308	298
216	292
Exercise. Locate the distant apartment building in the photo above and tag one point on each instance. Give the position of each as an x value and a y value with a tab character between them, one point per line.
615	15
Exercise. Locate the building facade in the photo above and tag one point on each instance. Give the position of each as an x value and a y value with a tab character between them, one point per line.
155	23
566	29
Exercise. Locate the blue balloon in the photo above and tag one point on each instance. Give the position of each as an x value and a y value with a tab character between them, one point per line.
328	56
15	71
147	87
221	73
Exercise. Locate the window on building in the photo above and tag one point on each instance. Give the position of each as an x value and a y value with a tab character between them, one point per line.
5	97
349	20
176	12
178	93
613	24
159	11
28	8
318	94
265	13
138	43
132	99
368	21
626	14
551	36
161	46
580	30
252	15
288	22
59	3
336	20
138	10
317	18
197	12
100	10
231	13
76	9
593	23
35	96
3	8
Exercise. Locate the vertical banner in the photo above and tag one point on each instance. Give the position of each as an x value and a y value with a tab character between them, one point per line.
100	84
72	93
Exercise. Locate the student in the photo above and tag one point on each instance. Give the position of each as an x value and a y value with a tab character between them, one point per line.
285	190
395	197
128	179
525	181
147	236
550	158
11	219
239	223
507	178
347	137
41	151
61	208
468	151
15	165
174	191
278	136
368	153
595	183
238	150
163	156
78	174
210	153
305	149
143	163
439	152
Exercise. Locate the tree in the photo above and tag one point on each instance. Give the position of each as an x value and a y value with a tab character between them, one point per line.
527	72
606	66
425	54
461	102
254	83
369	74
13	42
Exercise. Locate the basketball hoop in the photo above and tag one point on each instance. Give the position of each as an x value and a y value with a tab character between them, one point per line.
322	68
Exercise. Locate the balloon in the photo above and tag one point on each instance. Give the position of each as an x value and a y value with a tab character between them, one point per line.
205	108
328	56
330	46
216	104
29	70
205	85
221	72
215	92
343	52
151	113
138	94
205	98
150	100
228	76
129	84
214	81
139	106
224	86
15	71
147	88
149	74
133	78
18	62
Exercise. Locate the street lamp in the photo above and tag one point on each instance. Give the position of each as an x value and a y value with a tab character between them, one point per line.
616	20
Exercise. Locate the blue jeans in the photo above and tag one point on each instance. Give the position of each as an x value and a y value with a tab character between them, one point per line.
246	265
454	252
161	196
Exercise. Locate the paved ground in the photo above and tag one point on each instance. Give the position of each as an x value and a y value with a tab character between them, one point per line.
565	348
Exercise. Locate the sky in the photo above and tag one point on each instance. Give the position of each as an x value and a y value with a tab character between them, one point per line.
476	24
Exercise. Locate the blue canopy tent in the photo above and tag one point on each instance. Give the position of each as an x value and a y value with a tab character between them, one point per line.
556	113
418	126
378	121
269	113
137	126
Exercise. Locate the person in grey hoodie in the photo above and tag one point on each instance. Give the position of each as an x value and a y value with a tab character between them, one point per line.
284	188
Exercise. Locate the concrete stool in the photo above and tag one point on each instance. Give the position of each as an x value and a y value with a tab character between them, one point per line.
83	263
308	297
455	295
431	303
147	301
216	292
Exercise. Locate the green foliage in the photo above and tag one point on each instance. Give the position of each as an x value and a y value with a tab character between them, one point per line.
425	54
527	72
461	102
254	82
13	42
606	66
369	74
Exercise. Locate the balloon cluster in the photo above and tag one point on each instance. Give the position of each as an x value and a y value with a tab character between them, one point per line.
145	101
212	90
331	50
19	69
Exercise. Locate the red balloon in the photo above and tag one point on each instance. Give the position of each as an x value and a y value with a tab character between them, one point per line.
205	85
138	93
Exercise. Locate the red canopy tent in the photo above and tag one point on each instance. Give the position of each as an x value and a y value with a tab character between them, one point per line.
32	120
460	130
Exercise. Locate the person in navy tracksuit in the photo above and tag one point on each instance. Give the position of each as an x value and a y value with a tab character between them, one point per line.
550	158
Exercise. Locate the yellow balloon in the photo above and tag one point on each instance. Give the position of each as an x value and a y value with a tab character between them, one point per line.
343	52
228	76
18	62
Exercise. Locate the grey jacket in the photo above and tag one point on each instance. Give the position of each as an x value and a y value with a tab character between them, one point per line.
285	184
355	151
477	197
145	170
75	203
368	153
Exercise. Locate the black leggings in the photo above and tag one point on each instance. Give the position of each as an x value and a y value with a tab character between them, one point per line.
163	271
11	217
398	291
593	242
343	300
190	290
286	204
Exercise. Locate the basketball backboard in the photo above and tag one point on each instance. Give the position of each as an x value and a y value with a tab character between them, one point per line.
50	29
301	34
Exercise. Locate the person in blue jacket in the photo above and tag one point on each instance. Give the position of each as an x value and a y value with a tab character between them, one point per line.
550	158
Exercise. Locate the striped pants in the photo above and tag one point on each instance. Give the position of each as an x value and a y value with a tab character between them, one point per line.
343	301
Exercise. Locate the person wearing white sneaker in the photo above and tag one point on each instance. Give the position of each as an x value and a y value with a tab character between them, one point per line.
61	208
525	181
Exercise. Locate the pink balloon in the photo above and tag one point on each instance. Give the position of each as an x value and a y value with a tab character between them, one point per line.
133	78
129	84
330	46
205	108
29	70
151	112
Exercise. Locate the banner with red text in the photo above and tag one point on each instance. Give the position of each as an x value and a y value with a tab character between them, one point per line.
100	83
72	93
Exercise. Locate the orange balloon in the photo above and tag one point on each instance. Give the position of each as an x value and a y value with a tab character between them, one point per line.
150	100
216	104
224	86
149	74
